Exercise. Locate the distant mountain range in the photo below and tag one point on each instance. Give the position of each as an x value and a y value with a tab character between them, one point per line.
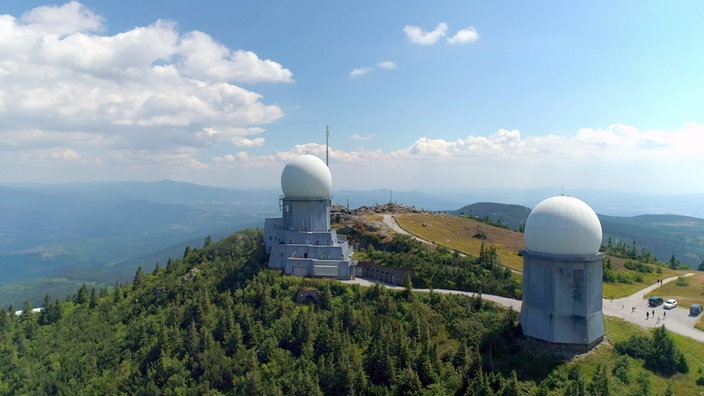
661	235
53	237
612	203
66	234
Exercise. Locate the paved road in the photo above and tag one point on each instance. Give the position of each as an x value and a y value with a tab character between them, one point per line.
676	320
505	301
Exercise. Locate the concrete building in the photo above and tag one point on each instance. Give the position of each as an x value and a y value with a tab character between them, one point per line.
562	274
301	241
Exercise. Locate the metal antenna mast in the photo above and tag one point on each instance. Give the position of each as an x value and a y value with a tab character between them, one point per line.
327	144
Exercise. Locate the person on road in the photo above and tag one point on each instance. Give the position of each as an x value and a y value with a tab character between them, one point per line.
647	315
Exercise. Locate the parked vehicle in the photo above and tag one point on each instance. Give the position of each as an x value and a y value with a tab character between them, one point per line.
695	310
655	301
669	304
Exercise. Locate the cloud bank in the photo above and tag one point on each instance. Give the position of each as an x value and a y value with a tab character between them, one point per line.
652	161
68	92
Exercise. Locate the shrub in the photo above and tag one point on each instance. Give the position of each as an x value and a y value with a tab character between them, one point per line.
636	347
622	369
638	266
660	353
682	281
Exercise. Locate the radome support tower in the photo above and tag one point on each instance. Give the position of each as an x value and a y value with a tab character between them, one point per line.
562	275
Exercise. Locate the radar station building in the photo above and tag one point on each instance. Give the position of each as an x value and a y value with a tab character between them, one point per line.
301	241
562	275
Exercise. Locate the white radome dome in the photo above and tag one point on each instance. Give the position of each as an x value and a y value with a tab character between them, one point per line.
306	177
563	225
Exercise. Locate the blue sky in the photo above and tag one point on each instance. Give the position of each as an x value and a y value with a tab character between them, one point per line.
457	95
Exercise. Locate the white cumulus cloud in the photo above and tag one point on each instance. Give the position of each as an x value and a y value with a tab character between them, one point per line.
387	65
419	36
464	36
360	71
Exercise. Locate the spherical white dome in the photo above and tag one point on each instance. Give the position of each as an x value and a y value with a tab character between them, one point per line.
563	225
306	177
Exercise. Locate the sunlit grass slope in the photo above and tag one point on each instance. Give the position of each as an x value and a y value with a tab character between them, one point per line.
465	235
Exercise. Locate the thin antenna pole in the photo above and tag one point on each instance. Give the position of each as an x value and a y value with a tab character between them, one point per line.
327	144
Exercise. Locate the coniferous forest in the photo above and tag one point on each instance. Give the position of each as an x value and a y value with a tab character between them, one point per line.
218	322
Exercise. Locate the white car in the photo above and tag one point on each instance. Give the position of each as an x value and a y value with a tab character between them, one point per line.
669	304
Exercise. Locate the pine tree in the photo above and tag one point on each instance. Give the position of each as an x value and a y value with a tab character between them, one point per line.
46	306
27	320
93	298
407	287
138	278
577	386
5	322
56	312
644	381
622	369
116	293
82	296
673	263
665	357
600	382
510	386
409	383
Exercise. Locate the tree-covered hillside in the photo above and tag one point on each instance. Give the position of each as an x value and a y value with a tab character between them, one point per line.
511	216
437	267
218	322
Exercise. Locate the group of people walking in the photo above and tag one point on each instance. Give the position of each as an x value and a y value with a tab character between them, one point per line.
647	315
